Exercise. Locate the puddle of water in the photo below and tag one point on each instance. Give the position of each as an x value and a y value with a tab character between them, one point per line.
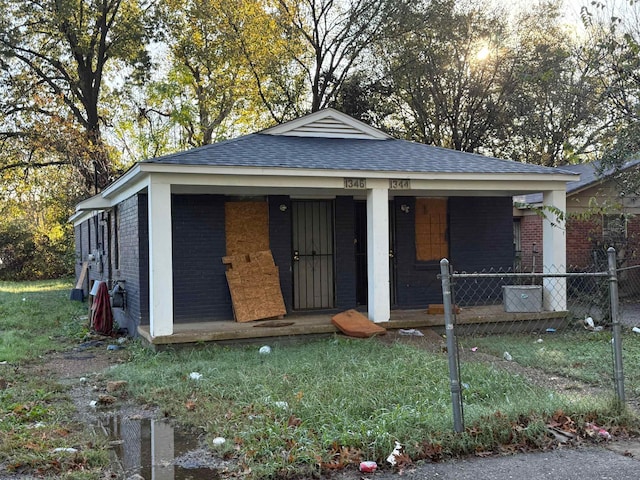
154	450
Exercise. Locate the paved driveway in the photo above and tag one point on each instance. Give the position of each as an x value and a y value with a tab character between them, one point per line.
618	460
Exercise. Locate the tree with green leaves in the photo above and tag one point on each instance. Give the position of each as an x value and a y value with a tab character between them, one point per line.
55	57
557	112
226	73
451	74
617	28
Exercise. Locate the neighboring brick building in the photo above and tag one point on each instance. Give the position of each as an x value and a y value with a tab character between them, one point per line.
353	218
597	217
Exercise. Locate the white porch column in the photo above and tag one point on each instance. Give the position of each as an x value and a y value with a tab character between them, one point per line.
554	249
160	260
379	301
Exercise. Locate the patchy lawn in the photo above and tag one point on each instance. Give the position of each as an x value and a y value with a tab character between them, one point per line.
322	405
300	411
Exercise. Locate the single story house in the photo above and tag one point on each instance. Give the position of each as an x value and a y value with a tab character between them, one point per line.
353	218
597	216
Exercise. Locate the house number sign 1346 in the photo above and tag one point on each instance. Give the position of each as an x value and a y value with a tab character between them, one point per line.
355	183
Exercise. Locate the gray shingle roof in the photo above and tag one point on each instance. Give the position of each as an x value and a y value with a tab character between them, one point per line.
279	151
589	174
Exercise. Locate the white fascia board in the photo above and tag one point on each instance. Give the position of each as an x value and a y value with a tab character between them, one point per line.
97	202
325	173
82	216
446	187
129	190
123	182
137	178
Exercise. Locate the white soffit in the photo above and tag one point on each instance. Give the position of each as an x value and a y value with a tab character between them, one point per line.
328	123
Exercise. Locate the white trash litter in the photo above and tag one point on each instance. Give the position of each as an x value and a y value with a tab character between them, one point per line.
397	451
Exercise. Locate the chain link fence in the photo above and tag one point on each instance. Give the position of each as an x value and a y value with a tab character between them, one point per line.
560	331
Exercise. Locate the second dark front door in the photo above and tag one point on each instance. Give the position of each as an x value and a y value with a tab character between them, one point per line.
313	255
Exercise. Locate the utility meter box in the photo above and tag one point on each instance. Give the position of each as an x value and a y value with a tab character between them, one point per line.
522	298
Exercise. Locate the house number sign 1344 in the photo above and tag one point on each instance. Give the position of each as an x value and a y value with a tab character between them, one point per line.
399	184
355	183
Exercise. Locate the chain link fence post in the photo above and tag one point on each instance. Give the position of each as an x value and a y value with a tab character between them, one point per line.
452	348
618	373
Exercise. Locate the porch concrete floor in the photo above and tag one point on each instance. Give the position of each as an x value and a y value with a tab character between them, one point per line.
491	317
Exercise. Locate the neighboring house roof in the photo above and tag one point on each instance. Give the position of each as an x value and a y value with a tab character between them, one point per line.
589	175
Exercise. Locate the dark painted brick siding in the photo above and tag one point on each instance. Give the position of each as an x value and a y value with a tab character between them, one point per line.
200	287
345	258
130	269
280	244
481	233
480	237
417	282
143	251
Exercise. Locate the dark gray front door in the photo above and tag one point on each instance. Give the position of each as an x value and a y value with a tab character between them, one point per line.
313	266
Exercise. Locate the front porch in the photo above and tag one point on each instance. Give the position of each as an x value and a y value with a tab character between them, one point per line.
320	324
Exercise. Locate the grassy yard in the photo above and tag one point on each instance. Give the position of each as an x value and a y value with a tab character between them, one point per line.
580	354
324	404
37	318
300	410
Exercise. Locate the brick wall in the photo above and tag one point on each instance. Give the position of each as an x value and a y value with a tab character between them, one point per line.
345	258
480	237
530	242
481	233
126	225
417	283
199	282
581	235
633	237
143	258
280	244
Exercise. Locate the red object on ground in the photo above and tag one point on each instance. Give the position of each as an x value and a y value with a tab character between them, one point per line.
101	315
368	467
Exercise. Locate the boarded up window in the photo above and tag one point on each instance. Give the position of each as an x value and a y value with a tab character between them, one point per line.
246	227
431	229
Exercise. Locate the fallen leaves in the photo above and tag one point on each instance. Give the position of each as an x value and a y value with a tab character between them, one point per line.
341	457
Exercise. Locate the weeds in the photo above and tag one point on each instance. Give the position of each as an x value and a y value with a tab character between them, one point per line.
325	404
581	355
36	318
302	409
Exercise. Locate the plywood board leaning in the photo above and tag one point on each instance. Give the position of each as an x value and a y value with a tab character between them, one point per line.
254	284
